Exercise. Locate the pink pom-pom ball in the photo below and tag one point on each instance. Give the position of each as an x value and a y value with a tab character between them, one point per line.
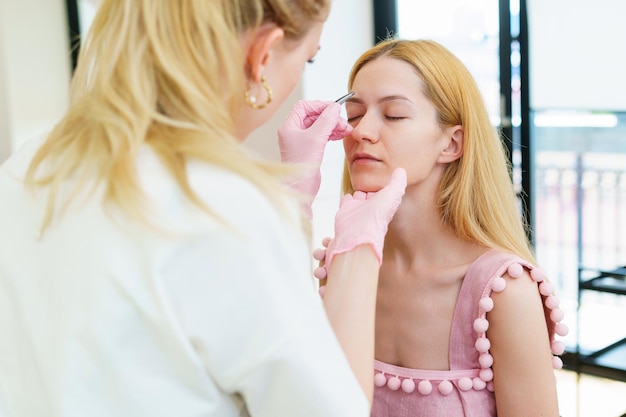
445	387
545	288
408	385
394	383
557	363
486	304
322	291
537	274
465	384
319	254
482	344
486	374
425	387
326	241
561	329
320	272
481	325
479	384
498	284
490	387
380	380
552	302
557	347
557	315
485	360
515	270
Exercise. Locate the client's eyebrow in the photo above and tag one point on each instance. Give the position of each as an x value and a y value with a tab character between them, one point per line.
385	99
392	98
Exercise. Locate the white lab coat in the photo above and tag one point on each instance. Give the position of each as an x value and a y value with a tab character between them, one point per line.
102	317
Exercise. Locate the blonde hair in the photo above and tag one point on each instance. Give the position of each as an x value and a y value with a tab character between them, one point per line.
476	195
168	73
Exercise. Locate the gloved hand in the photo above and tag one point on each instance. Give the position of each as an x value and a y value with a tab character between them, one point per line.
302	139
363	218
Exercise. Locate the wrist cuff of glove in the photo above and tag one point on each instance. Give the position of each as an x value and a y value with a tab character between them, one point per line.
339	246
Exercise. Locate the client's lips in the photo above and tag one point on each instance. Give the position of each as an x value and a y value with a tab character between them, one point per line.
364	157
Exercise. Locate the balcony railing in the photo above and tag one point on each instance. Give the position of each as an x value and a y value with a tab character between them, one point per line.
580	222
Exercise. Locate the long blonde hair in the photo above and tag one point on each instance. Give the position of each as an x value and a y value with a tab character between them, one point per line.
169	73
476	196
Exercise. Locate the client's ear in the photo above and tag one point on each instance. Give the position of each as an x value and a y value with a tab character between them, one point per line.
454	147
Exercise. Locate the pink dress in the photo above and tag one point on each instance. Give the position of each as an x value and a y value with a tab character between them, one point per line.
467	388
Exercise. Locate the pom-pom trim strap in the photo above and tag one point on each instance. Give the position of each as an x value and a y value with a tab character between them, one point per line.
497	284
426	382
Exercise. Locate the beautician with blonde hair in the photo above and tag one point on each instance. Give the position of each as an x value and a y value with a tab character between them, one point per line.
148	265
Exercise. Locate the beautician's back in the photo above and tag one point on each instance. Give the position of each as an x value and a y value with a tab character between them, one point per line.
101	317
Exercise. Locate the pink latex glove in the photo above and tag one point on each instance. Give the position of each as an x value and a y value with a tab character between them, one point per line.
363	218
302	139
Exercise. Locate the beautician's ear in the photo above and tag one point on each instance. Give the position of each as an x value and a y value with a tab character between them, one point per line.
454	148
260	47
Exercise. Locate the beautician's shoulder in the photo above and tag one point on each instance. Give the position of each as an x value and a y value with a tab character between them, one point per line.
237	198
225	193
17	164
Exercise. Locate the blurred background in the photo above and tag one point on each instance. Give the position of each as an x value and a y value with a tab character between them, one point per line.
552	75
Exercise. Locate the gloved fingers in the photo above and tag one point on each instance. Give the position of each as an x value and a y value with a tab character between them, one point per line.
342	130
305	112
395	188
330	120
360	195
346	199
364	218
324	117
389	197
311	107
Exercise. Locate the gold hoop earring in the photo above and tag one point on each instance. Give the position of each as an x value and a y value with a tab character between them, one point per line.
251	100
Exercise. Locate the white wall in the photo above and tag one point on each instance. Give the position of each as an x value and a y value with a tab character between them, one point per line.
5	131
577	54
34	69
